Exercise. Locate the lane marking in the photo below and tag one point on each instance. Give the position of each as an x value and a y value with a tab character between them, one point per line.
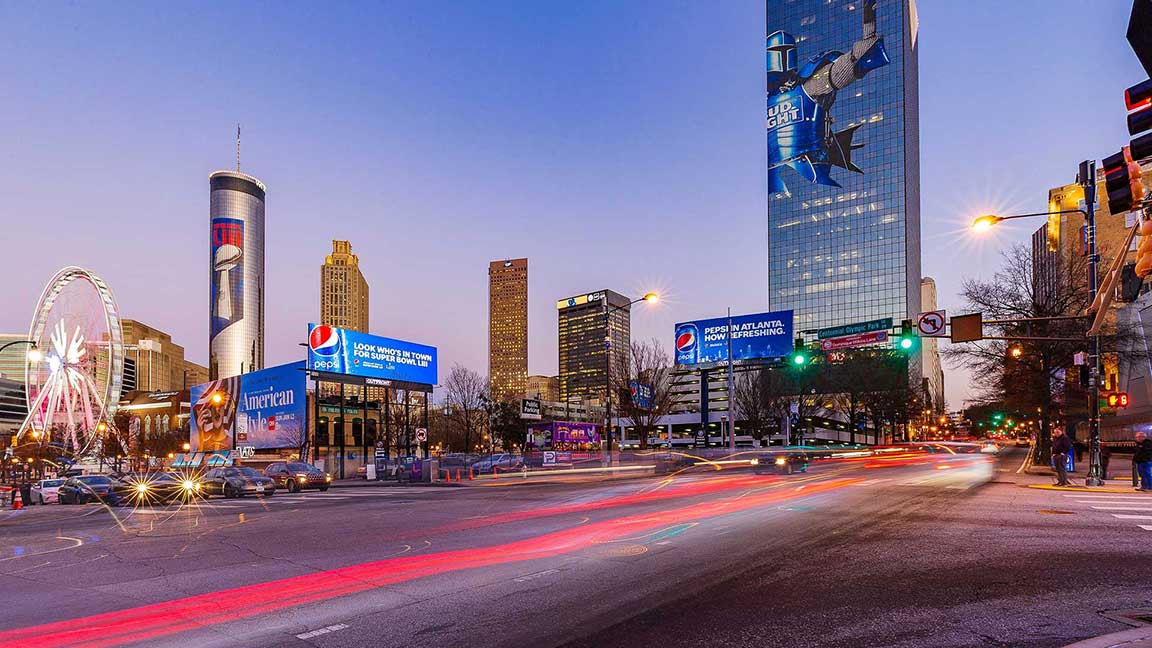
1106	496
1123	508
533	576
1132	517
1146	527
320	631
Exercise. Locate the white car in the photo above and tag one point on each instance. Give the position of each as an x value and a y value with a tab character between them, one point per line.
44	491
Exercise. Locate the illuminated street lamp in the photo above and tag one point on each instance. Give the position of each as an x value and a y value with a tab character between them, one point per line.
650	298
1086	179
187	446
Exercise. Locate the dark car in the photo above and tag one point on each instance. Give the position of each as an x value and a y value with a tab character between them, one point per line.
296	476
784	463
238	481
84	489
135	489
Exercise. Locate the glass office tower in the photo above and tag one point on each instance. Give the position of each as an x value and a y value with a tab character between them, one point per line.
236	275
843	158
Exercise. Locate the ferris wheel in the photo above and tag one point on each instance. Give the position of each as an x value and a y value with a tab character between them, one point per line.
75	386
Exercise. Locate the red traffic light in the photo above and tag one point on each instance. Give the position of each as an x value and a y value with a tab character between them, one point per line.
1118	399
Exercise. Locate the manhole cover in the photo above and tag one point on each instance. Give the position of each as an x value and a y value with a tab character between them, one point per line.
1056	512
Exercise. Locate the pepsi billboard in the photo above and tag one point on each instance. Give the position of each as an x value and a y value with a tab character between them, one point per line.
761	335
337	350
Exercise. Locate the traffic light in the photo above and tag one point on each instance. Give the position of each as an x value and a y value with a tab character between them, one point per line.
1118	399
799	353
907	339
1122	182
1138	99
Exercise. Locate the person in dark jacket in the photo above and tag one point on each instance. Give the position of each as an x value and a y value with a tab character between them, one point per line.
1061	447
1142	459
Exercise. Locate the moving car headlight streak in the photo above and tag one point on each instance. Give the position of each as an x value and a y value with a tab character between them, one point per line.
201	611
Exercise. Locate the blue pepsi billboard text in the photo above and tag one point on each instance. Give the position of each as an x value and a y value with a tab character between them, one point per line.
761	335
341	351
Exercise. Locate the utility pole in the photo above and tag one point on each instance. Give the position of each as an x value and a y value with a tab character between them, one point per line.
1087	180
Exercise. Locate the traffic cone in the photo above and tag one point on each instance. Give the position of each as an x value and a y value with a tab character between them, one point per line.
459	474
495	472
470	475
17	500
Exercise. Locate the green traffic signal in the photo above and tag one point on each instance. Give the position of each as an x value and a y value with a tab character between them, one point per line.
905	343
799	353
907	336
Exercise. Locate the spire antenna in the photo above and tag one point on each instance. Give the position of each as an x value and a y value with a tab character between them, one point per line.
237	148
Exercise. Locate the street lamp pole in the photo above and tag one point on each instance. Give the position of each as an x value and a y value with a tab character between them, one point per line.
608	309
1086	178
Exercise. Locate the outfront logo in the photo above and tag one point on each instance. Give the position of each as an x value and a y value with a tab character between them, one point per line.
324	341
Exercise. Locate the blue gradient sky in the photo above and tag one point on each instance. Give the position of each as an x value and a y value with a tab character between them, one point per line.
617	145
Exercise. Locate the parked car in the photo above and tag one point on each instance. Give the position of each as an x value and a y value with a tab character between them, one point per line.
44	491
784	463
140	488
296	476
238	481
84	489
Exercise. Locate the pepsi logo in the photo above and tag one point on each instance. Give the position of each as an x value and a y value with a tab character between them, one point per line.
686	340
324	341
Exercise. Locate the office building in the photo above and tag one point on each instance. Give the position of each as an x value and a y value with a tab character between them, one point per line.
236	271
13	408
582	332
844	163
153	362
930	350
508	327
343	290
13	359
545	388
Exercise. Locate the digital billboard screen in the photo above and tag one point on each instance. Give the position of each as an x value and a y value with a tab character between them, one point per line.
761	335
341	351
271	407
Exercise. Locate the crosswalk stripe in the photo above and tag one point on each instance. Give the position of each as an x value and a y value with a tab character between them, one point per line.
1132	517
1108	496
1113	500
1146	527
1123	508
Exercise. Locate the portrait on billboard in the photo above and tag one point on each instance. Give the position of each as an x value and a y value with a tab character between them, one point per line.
801	134
227	273
214	414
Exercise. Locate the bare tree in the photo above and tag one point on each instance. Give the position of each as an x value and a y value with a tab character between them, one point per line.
647	364
465	393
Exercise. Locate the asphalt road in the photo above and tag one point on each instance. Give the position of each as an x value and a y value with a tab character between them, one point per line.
918	551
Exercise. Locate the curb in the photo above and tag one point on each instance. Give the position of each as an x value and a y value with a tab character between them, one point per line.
1134	638
1082	489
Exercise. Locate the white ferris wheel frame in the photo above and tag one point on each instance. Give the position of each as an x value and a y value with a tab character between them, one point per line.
107	394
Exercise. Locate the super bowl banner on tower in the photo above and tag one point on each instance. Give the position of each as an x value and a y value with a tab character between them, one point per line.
271	408
802	88
227	273
762	335
213	414
341	351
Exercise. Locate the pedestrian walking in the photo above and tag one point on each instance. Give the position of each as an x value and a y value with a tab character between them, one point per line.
1142	459
1061	447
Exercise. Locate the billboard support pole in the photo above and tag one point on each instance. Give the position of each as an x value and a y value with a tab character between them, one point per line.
427	439
731	390
341	432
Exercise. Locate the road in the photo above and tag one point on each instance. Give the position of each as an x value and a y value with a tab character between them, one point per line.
900	551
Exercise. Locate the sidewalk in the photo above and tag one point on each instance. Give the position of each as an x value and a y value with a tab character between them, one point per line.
1134	638
1119	481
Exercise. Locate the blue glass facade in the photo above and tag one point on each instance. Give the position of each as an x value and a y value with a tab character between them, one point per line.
848	253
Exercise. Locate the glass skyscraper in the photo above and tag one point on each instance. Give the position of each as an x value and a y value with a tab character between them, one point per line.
843	158
236	275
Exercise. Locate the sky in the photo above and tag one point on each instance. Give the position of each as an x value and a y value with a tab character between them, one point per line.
616	145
